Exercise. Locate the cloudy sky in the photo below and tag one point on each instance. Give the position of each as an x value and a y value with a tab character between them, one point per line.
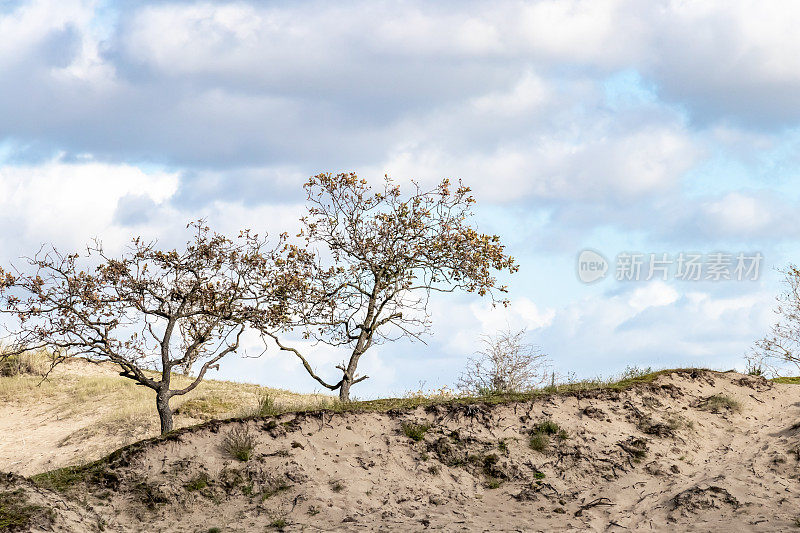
615	125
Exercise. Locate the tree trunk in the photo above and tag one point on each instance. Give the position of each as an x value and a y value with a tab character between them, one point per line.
350	373
164	411
344	391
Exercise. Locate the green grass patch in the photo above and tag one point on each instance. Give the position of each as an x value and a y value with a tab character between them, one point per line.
502	445
206	407
63	479
795	380
17	514
539	442
198	482
415	432
543	433
719	403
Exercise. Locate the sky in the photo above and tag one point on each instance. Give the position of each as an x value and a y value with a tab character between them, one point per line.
618	126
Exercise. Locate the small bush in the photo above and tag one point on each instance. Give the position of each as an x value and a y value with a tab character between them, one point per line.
239	443
539	442
506	364
278	523
493	483
27	363
337	486
548	427
719	403
540	436
199	482
267	406
415	432
754	366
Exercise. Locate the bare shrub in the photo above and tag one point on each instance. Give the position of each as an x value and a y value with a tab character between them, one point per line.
782	344
505	364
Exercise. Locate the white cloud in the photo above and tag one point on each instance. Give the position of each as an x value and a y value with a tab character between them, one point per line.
613	166
715	54
69	203
653	294
658	325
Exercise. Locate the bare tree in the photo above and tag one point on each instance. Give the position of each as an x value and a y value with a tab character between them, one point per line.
151	309
782	344
389	252
505	364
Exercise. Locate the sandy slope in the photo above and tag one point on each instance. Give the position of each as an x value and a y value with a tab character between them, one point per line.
648	458
84	411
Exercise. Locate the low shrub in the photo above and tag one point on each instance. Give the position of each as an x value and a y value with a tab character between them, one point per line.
719	403
415	432
239	443
27	363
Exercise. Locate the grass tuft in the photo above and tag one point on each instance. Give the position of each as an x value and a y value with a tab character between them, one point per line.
719	403
199	482
206	407
267	406
239	443
493	482
35	363
415	432
542	433
539	442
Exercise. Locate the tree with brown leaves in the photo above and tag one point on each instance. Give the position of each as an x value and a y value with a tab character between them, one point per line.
388	253
152	311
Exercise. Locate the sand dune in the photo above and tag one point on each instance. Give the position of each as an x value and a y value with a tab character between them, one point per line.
691	451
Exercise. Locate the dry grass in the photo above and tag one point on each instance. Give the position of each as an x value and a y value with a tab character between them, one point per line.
115	411
33	363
